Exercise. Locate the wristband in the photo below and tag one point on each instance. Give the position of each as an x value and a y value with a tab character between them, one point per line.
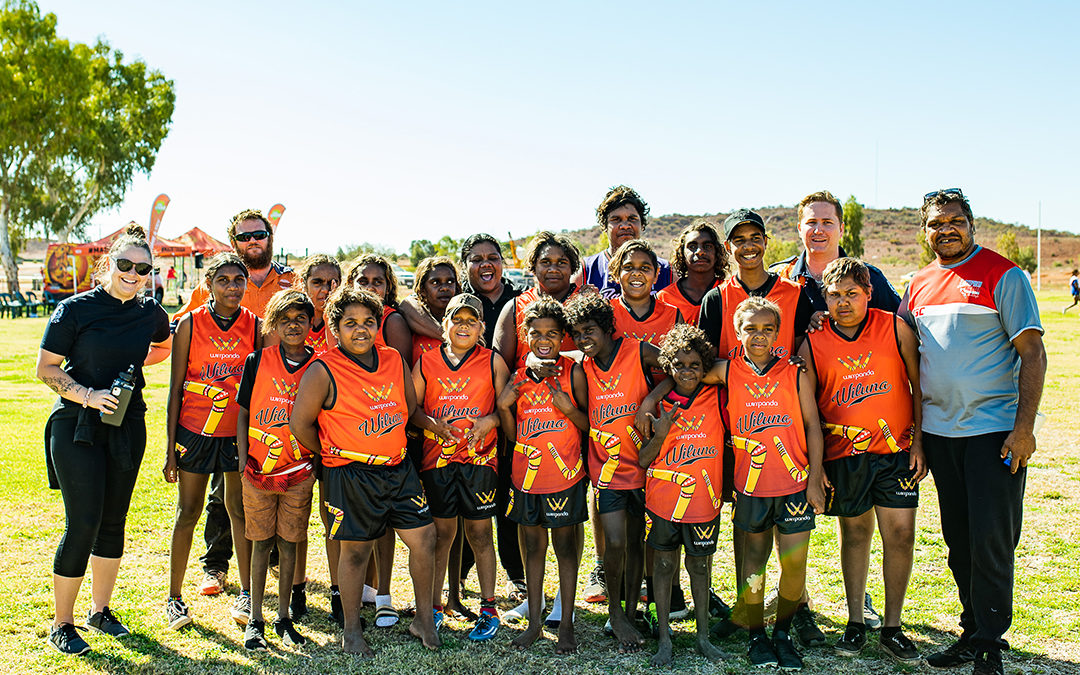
86	398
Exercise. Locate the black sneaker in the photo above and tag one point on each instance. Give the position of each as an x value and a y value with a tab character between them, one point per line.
988	663
718	609
254	637
852	641
900	648
761	653
871	618
725	628
288	634
787	657
298	602
176	613
806	628
679	610
106	622
336	613
66	640
959	653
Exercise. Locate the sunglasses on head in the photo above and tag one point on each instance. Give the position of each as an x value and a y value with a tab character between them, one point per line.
948	191
248	236
125	265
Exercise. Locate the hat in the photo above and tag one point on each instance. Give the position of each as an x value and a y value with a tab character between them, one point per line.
464	301
741	217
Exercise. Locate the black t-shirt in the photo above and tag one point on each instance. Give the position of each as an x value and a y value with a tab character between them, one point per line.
712	309
100	336
493	309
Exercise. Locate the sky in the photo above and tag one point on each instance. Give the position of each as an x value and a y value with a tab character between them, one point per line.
388	122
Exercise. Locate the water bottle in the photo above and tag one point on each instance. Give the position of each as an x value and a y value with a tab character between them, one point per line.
122	388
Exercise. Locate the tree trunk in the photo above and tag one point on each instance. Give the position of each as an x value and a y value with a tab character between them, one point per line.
64	234
11	267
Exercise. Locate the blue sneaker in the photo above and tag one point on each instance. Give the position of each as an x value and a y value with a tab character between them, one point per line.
440	618
485	628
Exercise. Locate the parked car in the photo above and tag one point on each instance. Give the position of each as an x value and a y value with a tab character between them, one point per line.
519	278
405	278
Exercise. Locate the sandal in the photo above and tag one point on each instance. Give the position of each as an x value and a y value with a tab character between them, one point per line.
386	616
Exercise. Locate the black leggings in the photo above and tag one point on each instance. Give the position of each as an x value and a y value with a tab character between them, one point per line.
96	495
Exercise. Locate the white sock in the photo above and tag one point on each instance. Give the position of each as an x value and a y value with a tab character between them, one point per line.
383	600
369	594
556	610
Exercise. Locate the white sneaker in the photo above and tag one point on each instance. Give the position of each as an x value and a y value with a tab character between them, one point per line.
555	618
520	612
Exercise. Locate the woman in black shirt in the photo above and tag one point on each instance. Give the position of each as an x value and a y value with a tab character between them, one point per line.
99	334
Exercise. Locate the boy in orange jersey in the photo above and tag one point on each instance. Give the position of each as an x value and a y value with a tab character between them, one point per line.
544	418
684	458
866	363
638	313
699	263
352	406
456	389
278	473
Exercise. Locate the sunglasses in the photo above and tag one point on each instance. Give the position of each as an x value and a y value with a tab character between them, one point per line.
125	265
248	236
948	191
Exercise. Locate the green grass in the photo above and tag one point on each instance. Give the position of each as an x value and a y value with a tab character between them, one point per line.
1047	599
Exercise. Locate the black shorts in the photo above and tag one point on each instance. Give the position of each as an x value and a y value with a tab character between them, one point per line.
699	539
790	514
465	490
861	482
196	453
363	500
557	509
610	501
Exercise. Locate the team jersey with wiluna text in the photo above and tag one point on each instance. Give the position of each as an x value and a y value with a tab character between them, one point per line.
767	428
366	423
673	295
547	454
786	296
615	394
460	393
321	340
684	482
380	337
276	461
215	363
520	303
863	390
652	328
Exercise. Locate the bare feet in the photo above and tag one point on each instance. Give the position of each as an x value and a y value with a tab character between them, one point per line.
629	638
709	650
425	632
567	644
662	657
531	634
353	642
457	609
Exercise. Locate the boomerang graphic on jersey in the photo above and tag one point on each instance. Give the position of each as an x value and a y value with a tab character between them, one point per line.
761	390
567	473
273	448
860	438
219	401
223	343
797	474
854	363
285	388
613	447
609	384
685	481
757	452
338	516
535	456
378	394
365	458
453	386
716	501
887	433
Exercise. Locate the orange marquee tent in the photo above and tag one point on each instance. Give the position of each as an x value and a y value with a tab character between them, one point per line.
201	242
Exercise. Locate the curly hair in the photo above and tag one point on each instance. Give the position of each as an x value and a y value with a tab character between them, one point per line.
308	265
685	337
751	306
679	266
223	260
282	302
424	271
943	197
620	196
134	236
841	268
248	214
591	306
820	196
472	241
344	297
357	266
546	238
545	307
628	249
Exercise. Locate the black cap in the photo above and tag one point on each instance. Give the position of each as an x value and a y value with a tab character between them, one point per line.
742	217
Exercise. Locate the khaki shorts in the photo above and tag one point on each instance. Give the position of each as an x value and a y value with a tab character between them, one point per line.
284	514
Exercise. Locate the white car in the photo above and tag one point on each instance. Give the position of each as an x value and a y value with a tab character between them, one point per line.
404	277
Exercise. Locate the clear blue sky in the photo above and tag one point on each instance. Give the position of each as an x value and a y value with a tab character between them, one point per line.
387	122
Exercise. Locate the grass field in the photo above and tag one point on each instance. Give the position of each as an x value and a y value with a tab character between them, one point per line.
1043	636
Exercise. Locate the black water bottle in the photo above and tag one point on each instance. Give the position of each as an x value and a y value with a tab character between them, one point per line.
122	388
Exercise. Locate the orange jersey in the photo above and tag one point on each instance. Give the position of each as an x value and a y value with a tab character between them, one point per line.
615	394
652	328
786	296
380	337
278	278
366	424
275	460
863	390
689	309
321	340
215	364
422	344
684	481
547	455
462	392
520	303
767	429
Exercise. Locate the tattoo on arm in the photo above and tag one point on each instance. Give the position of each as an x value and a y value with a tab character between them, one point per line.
61	385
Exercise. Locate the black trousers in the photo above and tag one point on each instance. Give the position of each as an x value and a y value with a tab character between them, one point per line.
982	509
506	530
218	531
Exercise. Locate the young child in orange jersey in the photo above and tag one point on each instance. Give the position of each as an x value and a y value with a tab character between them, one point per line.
436	282
278	472
208	355
544	417
638	313
684	458
866	363
352	407
699	262
456	389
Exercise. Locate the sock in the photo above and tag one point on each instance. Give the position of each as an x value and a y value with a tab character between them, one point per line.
437	608
383	601
755	618
247	593
785	609
648	590
556	611
487	606
368	594
302	586
599	562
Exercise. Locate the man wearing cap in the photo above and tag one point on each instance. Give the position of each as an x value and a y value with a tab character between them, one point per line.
821	225
623	215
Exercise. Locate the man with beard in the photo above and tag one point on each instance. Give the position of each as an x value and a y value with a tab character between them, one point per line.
623	215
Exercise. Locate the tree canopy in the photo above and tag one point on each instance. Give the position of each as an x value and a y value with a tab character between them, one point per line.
852	241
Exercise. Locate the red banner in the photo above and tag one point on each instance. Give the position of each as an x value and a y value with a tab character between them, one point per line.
157	212
274	215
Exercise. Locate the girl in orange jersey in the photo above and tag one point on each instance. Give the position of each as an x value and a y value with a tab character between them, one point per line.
456	389
544	418
208	355
278	472
638	314
352	407
699	262
436	282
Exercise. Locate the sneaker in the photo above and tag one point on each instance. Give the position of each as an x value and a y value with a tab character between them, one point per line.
440	618
725	628
643	596
806	628
213	583
959	653
516	590
988	663
596	589
761	653
520	612
787	657
718	609
241	609
900	648
176	613
852	641
298	602
254	637
678	610
288	634
66	640
106	622
870	615
485	627
336	613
